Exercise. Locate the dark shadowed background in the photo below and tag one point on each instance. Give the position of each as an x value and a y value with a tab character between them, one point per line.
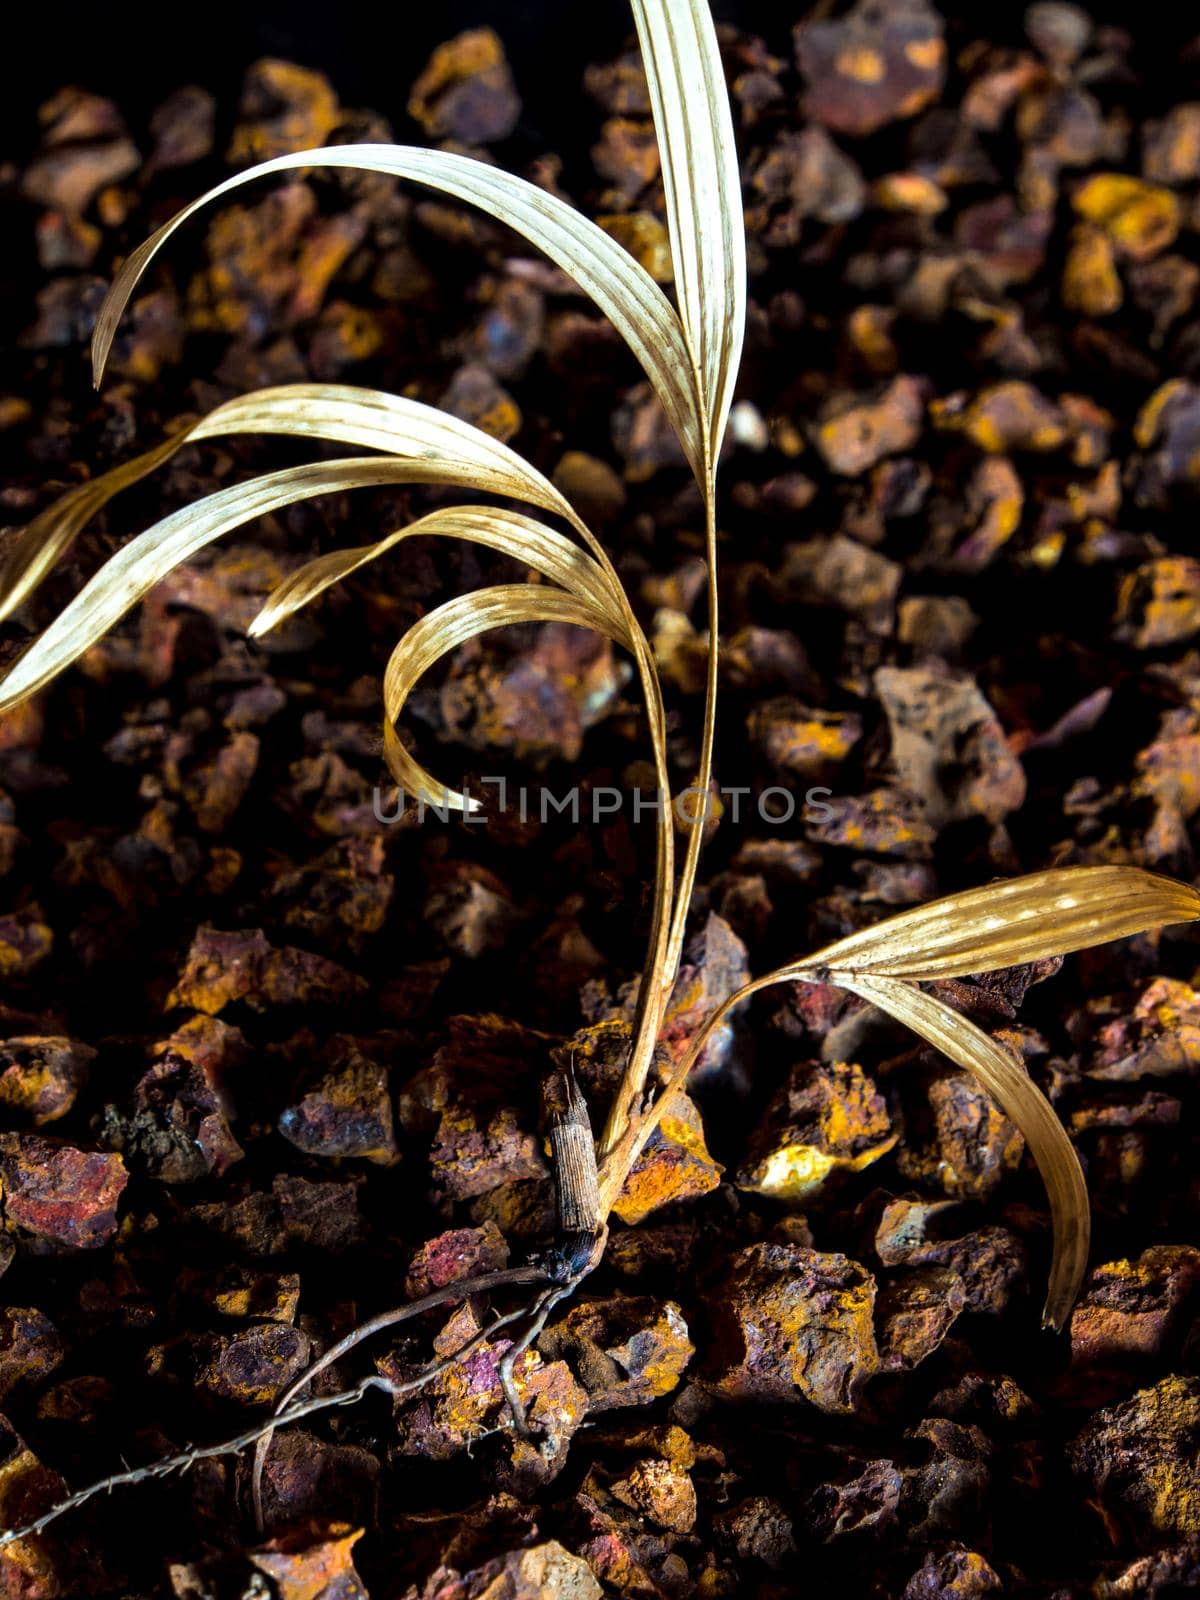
137	51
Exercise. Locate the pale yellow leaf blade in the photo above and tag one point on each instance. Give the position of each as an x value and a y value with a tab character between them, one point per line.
442	631
1021	919
622	289
441	449
42	542
1023	1102
510	532
130	574
703	191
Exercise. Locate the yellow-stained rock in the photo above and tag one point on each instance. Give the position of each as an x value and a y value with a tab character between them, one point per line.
825	1119
1140	218
674	1166
795	1324
1091	282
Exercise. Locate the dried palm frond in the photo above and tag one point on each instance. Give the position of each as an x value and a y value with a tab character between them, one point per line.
1026	919
690	356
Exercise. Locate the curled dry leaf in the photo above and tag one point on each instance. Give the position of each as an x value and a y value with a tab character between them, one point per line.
1023	1102
1004	924
622	289
439	449
452	624
1026	919
132	572
515	535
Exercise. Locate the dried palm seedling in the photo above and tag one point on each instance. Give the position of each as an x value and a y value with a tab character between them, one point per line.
690	354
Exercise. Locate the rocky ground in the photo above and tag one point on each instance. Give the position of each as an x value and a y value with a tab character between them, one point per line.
271	1064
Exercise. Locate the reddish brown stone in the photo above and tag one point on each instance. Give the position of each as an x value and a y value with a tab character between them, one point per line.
795	1324
948	746
914	1313
1132	1310
179	1126
843	575
954	1574
1138	1459
466	1400
296	1214
41	1076
627	1351
31	1347
1160	1037
254	1367
243	966
349	1113
58	1192
460	1253
758	1529
466	91
876	63
25	942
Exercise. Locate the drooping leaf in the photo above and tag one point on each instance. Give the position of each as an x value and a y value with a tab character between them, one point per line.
443	630
43	542
703	191
1023	919
1011	1087
134	570
521	537
622	289
441	448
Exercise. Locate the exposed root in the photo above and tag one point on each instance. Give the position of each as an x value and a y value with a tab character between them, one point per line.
290	1409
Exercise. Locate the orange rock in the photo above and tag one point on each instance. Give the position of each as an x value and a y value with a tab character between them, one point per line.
1012	415
30	1348
674	1166
287	108
27	1488
1140	218
1161	1038
1171	148
809	742
628	1350
909	191
1139	1460
324	1570
644	236
41	1076
661	1491
1091	282
825	1119
466	91
1159	603
858	431
795	1324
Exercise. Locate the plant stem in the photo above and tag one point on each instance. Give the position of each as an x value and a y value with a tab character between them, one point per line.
651	1007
